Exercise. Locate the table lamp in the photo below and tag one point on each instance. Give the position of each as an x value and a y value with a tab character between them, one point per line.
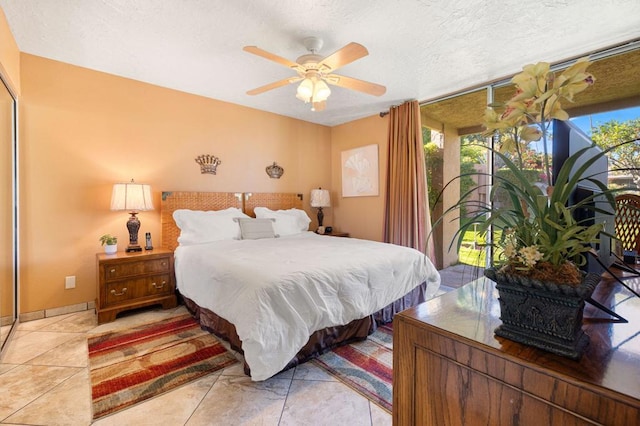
132	197
320	198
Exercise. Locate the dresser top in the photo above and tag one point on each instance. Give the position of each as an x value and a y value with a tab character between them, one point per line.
611	361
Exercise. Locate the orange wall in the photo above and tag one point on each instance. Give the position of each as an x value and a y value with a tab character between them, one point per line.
9	56
82	130
362	217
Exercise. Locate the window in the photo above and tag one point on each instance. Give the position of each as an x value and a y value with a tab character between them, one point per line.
458	116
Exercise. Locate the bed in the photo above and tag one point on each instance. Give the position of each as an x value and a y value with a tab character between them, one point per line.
283	296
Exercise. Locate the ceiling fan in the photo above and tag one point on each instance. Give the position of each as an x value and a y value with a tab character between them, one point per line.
314	72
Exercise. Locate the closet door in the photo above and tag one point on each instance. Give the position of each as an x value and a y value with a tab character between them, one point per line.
8	211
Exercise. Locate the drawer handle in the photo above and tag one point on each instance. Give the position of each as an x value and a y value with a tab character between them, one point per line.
113	271
158	287
124	290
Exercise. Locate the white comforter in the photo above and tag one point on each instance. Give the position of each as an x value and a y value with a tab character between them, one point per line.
277	292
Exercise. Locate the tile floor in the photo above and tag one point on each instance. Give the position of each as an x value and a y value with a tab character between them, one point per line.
44	380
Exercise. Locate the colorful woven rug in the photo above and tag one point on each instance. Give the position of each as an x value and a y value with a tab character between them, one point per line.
365	367
136	364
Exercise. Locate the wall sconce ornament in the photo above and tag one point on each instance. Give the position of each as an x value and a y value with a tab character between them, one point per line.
208	163
274	171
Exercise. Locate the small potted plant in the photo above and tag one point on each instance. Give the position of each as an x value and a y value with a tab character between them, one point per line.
110	243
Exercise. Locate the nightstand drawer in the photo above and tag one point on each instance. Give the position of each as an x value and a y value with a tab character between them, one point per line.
137	288
119	292
160	284
129	269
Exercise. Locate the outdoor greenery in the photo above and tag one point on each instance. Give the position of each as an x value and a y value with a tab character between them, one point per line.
472	256
472	154
433	162
624	158
472	251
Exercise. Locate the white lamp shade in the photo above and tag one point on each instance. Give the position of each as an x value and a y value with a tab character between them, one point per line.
313	90
131	197
305	90
321	91
320	198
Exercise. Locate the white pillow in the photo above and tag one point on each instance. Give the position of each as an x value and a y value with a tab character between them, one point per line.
288	222
198	227
255	229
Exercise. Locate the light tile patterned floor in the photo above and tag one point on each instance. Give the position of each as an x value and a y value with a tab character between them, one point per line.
44	380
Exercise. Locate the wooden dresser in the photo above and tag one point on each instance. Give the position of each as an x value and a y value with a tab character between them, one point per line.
450	369
134	280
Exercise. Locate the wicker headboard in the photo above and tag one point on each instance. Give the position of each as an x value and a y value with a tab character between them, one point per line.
273	201
247	201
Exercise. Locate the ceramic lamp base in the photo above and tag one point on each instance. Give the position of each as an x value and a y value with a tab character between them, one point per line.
133	226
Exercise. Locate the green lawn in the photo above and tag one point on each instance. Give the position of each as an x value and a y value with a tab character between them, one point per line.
473	254
470	256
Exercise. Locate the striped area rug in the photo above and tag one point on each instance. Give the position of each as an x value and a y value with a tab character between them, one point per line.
365	367
132	365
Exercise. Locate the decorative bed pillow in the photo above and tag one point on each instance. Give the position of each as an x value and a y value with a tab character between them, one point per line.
198	227
255	229
288	222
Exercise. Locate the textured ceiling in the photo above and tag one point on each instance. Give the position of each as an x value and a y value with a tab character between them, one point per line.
417	49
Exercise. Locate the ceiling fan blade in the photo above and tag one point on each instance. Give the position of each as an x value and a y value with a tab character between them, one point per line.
273	85
344	56
270	56
355	84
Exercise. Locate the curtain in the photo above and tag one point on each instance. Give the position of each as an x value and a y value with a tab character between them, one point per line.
407	217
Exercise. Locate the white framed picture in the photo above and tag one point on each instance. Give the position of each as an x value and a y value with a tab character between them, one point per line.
360	171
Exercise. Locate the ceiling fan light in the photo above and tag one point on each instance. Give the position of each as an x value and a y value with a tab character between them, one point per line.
305	90
303	99
321	91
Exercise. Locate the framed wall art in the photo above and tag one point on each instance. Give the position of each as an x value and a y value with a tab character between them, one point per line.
360	171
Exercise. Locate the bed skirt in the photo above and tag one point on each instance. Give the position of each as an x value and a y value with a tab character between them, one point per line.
413	298
319	342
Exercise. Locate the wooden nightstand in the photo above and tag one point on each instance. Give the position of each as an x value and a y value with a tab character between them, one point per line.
134	280
338	234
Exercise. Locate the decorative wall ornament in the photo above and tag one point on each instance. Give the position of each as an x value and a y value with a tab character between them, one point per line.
360	171
274	171
208	163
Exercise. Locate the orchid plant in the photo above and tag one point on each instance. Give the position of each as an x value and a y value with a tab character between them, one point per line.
528	114
538	234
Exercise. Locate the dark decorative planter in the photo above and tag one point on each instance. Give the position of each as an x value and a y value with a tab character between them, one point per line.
545	315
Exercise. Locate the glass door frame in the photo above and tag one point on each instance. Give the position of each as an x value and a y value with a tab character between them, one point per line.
14	213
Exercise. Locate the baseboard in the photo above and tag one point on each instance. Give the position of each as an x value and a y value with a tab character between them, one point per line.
63	310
